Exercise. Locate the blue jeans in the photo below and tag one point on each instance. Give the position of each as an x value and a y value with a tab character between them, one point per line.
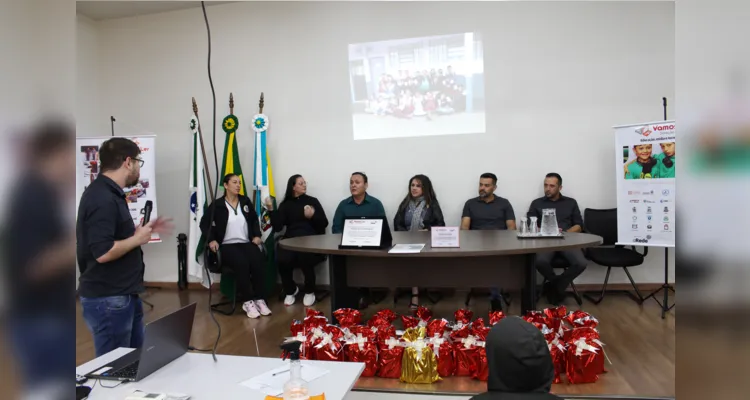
115	321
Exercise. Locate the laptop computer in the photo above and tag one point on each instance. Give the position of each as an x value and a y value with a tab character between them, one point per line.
164	340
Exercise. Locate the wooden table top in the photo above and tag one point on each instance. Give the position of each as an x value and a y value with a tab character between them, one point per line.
473	244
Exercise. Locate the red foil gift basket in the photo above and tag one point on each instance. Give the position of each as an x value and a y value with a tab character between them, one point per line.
583	361
362	349
390	357
444	352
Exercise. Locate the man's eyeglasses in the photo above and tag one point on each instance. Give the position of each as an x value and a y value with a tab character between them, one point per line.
139	161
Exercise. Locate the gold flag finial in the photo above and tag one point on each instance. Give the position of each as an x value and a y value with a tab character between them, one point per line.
195	106
260	103
231	103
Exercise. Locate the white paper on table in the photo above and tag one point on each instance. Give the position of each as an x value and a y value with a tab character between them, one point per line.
407	248
274	385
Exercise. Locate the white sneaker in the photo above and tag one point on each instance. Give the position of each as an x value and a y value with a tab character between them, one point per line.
262	307
309	299
250	309
291	298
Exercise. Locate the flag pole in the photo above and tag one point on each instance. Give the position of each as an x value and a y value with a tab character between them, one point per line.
203	150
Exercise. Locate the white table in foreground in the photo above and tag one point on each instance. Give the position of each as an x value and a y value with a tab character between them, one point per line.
200	377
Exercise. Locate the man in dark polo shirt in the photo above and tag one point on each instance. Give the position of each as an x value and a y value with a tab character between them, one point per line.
108	247
568	220
359	204
488	212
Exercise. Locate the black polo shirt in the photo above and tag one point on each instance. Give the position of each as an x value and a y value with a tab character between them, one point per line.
488	215
103	218
567	211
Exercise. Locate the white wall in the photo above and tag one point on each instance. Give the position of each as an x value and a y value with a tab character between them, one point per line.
89	119
558	75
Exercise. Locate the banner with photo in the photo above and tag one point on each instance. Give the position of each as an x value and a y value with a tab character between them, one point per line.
87	170
645	173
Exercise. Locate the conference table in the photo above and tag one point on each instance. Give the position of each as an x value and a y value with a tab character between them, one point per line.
200	377
485	259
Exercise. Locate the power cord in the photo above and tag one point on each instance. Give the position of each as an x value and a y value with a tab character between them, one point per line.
215	189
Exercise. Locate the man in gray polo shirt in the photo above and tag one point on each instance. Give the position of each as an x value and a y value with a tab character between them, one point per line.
488	212
568	220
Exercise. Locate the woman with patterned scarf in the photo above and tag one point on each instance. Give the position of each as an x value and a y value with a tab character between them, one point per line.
419	211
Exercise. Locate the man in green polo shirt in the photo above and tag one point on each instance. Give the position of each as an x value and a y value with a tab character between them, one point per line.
360	204
665	161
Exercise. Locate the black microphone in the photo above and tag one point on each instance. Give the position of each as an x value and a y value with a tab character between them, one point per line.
147	212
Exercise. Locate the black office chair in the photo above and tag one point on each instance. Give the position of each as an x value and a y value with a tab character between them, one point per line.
604	223
560	262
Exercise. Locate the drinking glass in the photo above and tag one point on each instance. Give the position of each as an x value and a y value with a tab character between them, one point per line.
523	228
533	227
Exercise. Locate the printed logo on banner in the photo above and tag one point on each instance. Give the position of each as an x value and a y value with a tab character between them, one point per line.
666	227
649	217
666	209
648	210
632	192
635	201
649	226
649	201
664	201
665	192
640	240
635	209
643	131
635	227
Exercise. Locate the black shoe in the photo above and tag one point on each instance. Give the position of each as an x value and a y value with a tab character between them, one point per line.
555	296
547	288
496	305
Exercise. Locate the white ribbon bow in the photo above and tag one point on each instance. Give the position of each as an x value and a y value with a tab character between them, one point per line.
327	340
418	345
581	345
556	343
359	340
393	342
300	338
469	341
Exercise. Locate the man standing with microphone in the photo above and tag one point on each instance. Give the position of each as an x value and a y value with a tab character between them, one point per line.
109	253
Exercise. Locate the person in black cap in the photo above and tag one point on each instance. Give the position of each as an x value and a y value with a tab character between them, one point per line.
519	362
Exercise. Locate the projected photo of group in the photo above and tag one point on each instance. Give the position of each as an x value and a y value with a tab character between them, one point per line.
417	87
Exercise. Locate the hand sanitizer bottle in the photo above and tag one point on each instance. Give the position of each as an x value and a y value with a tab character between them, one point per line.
296	388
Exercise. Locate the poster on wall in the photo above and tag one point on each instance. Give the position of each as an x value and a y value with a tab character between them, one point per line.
645	173
87	170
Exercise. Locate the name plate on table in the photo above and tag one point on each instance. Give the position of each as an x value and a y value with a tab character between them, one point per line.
445	236
366	233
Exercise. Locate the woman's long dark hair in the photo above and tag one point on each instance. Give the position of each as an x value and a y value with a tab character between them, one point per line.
289	192
427	192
